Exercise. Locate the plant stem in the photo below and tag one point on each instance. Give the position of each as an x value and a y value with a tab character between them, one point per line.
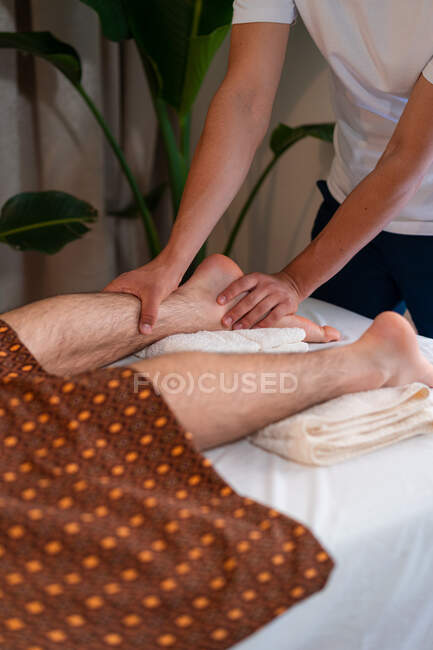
247	205
177	163
178	168
196	19
298	134
152	235
185	138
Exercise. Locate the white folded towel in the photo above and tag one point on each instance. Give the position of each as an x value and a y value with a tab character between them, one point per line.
350	425
276	340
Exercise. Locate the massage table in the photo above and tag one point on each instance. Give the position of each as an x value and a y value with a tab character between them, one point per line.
374	514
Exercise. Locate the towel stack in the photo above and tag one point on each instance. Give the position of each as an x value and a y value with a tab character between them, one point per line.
350	425
272	340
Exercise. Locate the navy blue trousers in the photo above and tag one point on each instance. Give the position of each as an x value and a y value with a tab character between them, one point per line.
391	273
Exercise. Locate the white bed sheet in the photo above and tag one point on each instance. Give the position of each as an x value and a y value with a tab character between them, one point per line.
374	514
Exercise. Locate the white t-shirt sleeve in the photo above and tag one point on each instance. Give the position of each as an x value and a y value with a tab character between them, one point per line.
428	71
267	11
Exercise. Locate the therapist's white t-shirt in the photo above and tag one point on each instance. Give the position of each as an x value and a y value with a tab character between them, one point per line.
376	50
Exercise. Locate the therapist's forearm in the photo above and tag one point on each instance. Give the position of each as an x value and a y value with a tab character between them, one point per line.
376	201
232	133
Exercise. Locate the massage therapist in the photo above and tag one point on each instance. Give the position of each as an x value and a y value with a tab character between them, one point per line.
372	247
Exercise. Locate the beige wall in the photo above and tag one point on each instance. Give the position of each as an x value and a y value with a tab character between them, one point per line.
49	140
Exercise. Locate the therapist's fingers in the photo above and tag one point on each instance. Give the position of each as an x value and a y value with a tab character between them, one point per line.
242	308
150	299
149	312
280	310
258	313
245	283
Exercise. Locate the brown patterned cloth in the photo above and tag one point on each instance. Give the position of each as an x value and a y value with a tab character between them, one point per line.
116	533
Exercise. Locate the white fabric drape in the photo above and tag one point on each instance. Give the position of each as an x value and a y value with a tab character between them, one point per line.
49	140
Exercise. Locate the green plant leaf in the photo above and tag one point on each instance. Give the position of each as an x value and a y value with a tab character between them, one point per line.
285	137
179	38
44	221
46	46
113	18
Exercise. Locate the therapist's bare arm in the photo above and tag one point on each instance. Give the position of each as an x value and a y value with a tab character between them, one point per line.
236	123
376	201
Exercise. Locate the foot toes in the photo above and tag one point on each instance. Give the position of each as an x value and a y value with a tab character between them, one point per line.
331	334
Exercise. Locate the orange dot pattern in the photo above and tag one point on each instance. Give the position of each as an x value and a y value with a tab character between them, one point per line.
116	533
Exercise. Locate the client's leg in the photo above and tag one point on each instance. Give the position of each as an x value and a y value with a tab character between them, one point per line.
228	396
74	333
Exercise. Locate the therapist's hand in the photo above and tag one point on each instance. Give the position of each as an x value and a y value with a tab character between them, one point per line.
151	284
269	298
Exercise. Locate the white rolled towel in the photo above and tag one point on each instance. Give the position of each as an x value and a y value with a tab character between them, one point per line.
273	340
350	425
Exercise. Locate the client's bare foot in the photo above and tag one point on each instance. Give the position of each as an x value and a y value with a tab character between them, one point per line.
200	311
314	333
390	344
195	300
